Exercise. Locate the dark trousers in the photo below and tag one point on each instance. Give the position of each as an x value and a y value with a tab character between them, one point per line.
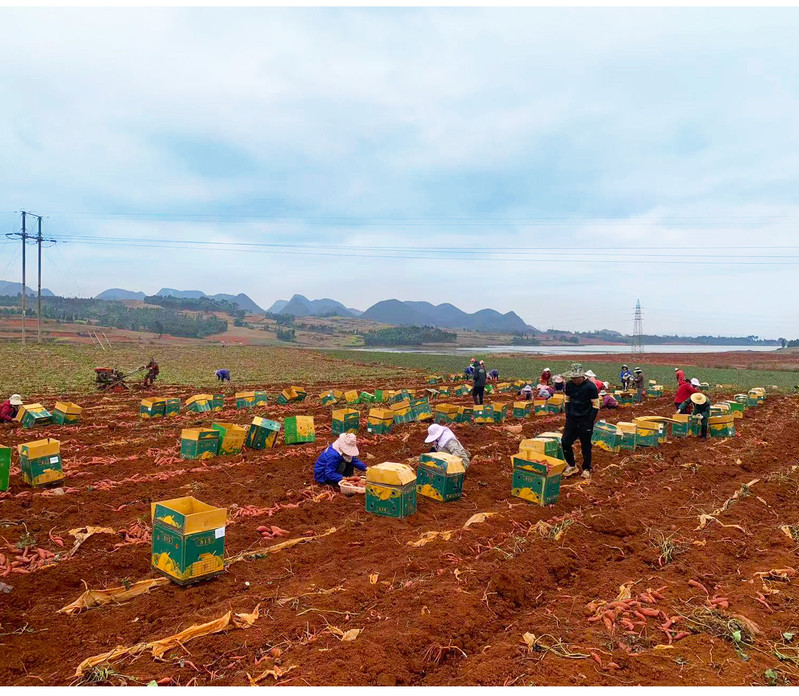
477	394
346	469
703	427
581	430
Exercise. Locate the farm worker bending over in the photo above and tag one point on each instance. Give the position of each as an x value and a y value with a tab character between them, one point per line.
701	408
493	375
338	461
559	383
9	408
443	439
638	384
682	399
223	375
608	401
469	371
152	373
625	377
599	384
544	391
582	406
546	376
526	392
679	374
480	376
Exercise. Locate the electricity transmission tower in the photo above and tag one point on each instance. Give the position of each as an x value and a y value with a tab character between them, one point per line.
638	331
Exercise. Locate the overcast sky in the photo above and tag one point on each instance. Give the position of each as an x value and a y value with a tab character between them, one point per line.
469	141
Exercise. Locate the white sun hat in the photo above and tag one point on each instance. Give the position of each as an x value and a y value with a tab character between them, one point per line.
434	432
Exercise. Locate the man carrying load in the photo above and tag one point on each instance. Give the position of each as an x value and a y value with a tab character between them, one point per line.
582	407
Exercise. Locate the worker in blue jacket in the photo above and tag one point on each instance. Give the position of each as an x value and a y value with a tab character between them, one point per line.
338	461
625	377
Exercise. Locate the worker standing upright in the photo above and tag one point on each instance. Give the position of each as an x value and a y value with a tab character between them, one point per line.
582	407
679	374
639	384
625	377
480	377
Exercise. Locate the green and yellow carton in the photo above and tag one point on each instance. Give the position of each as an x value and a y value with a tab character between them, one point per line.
199	443
625	398
261	398
434	379
681	425
5	467
540	407
654	391
446	413
501	412
536	478
262	433
298	430
647	432
217	402
550	446
366	398
721	426
66	413
245	399
328	399
171	407
522	409
736	409
463	390
30	415
556	403
629	435
152	408
420	410
607	436
346	420
287	396
188	539
402	411
440	476
483	414
231	437
380	421
444	391
352	396
391	490
758	393
40	462
380	396
465	414
199	403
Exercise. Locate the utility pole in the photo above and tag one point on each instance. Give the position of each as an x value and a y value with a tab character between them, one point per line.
39	298
24	237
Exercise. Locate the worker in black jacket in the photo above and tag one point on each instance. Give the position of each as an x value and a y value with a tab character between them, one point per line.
480	377
582	407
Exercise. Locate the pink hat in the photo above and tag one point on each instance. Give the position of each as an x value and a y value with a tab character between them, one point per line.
346	444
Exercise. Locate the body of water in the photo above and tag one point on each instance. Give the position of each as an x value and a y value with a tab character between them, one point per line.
575	349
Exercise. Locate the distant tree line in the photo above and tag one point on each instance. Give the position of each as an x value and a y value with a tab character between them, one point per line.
120	316
408	336
520	340
285	334
198	304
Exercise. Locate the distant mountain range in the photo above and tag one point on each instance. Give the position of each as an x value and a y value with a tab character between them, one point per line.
301	306
444	316
9	289
241	300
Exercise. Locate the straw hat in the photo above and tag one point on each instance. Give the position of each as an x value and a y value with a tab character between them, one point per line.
699	398
16	400
346	444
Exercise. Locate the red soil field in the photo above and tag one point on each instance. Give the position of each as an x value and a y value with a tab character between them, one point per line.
452	611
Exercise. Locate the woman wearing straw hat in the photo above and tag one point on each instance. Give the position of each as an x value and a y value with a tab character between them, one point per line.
701	408
9	408
338	461
443	439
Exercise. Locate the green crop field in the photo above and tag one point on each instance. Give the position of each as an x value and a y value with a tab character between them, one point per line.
530	367
58	368
70	368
